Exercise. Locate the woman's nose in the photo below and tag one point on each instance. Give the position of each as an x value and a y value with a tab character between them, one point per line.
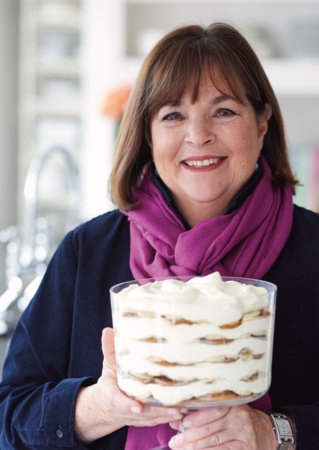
199	132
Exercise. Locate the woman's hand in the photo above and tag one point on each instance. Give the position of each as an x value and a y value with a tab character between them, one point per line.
239	427
102	408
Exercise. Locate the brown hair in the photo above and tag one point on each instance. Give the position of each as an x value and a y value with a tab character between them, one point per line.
175	62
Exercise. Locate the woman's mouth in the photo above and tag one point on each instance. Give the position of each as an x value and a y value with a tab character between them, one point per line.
203	163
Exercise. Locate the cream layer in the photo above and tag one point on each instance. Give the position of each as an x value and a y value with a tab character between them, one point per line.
173	395
142	328
190	353
207	299
232	371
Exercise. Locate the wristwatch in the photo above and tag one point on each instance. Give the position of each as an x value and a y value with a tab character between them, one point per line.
282	428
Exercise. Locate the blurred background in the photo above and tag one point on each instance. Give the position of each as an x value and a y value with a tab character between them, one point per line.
66	68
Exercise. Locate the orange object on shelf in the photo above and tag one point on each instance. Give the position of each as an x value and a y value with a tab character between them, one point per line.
115	102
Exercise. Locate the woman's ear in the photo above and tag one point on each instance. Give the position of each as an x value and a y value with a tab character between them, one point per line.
268	111
263	120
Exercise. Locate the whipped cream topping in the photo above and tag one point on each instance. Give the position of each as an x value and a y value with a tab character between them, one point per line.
178	340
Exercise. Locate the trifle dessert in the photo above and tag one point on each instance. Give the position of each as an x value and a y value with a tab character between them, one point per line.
197	342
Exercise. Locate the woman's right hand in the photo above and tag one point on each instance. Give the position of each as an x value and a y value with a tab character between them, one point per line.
102	408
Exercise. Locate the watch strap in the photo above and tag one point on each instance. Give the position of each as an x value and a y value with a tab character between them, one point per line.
285	446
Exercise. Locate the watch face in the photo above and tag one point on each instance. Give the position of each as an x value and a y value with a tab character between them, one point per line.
284	427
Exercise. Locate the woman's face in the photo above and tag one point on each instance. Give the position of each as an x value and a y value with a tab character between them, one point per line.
206	151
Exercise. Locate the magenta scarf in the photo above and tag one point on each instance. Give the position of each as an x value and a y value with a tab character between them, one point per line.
244	243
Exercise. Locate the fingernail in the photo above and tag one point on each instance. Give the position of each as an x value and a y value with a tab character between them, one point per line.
172	442
135	409
187	424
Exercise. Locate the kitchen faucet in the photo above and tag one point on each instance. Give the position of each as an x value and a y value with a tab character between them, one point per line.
31	192
28	253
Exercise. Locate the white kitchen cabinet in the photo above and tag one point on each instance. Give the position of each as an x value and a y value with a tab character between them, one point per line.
50	98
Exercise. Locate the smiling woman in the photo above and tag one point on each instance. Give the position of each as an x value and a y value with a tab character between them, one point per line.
206	148
203	184
178	67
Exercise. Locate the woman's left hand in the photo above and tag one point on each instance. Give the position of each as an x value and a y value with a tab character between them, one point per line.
239	427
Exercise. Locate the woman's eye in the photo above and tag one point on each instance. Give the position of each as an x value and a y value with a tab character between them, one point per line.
225	112
173	116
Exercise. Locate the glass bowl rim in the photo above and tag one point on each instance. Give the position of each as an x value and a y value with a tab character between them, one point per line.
272	287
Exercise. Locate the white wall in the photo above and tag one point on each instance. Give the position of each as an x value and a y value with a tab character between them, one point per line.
100	25
8	110
9	13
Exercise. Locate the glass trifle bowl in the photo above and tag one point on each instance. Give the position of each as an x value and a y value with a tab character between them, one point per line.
194	342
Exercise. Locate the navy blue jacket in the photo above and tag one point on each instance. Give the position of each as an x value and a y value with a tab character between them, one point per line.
56	346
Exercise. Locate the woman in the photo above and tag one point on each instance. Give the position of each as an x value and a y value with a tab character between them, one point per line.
203	183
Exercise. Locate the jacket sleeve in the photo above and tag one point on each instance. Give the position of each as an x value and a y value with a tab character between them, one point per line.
306	418
37	398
